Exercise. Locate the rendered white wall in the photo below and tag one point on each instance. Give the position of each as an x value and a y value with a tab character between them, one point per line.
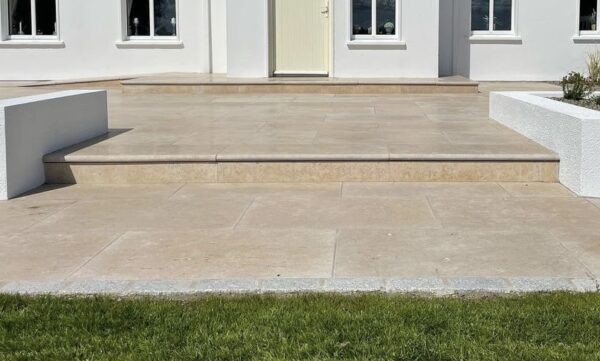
570	131
218	23
420	24
90	30
547	50
32	127
247	38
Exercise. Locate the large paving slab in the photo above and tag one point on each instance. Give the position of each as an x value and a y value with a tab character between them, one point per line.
453	253
331	237
216	254
323	213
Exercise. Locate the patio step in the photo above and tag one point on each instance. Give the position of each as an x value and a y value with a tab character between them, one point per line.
220	84
66	168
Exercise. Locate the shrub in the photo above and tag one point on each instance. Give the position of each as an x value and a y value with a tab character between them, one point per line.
593	65
575	86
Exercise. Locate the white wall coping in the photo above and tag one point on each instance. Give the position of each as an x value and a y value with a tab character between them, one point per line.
41	97
543	99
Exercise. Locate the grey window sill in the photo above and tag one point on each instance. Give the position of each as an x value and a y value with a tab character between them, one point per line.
149	44
38	44
592	38
496	39
376	43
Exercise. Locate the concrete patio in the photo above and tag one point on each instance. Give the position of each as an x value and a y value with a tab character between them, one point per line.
198	235
429	236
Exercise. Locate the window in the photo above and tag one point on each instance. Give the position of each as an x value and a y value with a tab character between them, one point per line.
32	19
588	16
492	16
148	19
374	19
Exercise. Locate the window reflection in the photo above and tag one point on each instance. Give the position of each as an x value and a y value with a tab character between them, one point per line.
386	17
138	18
503	15
165	21
19	19
480	15
362	17
45	16
588	15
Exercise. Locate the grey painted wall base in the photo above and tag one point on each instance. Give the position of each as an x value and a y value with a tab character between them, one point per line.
425	286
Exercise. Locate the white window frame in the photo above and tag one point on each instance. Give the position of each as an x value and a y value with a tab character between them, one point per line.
6	36
152	36
374	37
491	24
587	32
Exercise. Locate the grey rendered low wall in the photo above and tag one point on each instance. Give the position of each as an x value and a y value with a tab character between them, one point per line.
31	127
572	132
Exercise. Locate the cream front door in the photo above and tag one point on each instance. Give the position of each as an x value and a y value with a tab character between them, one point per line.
301	37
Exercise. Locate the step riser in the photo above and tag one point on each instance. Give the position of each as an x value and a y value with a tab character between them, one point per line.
301	89
308	172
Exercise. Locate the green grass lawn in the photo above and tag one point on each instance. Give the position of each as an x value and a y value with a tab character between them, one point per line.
310	327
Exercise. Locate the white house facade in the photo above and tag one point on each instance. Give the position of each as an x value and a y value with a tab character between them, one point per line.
478	39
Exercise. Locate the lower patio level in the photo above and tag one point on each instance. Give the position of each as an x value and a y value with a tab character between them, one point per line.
177	238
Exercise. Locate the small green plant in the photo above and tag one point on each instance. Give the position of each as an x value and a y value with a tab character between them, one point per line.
595	99
593	65
575	86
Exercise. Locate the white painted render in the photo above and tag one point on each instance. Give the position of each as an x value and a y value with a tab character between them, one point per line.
544	46
31	127
416	58
248	38
570	131
91	45
218	35
233	36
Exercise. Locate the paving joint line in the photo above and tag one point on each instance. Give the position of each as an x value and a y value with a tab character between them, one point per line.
573	254
239	220
85	263
170	197
335	243
50	215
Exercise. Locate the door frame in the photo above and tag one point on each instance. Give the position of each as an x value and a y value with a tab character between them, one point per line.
271	39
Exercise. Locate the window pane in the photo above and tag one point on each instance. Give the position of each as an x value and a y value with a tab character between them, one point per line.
165	18
503	15
361	17
588	15
386	17
480	15
45	17
138	18
19	19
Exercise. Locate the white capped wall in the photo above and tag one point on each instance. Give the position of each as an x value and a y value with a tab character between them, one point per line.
547	50
419	59
90	30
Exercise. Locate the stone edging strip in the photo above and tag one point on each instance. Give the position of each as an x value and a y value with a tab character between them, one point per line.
432	286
